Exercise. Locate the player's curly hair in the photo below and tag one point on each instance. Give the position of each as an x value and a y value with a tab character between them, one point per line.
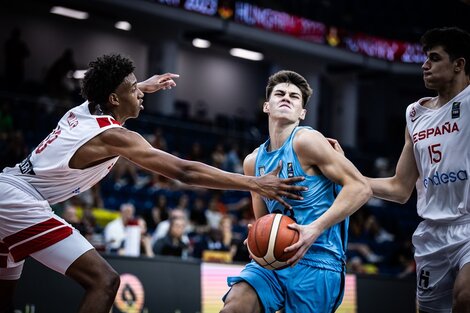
289	77
454	41
104	75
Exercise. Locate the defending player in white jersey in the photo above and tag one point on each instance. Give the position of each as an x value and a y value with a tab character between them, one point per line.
78	153
436	159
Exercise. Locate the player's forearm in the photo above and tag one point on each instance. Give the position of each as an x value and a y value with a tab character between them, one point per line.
200	174
349	200
390	189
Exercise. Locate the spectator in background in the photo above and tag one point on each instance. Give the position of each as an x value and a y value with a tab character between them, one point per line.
221	239
232	160
145	239
215	211
198	217
158	213
164	226
158	141
173	243
59	82
16	52
115	231
218	156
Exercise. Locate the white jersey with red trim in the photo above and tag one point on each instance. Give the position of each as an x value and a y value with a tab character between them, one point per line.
47	167
441	145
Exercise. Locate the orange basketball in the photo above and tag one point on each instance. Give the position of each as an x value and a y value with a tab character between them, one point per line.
268	238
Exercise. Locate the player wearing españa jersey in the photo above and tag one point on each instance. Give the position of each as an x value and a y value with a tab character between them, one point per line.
78	153
436	159
316	282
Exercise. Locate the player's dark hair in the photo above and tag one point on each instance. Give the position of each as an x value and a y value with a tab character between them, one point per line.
289	77
104	75
455	41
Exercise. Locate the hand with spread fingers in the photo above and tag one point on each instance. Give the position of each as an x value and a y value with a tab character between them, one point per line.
273	187
158	82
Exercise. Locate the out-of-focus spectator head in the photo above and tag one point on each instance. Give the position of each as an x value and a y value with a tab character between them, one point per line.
177	227
127	212
70	214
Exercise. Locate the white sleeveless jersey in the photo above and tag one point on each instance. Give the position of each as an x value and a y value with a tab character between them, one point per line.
47	167
441	145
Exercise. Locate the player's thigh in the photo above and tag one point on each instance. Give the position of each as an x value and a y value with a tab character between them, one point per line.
62	254
313	289
242	298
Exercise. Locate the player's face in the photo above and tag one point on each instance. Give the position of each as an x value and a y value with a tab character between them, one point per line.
130	97
285	102
438	69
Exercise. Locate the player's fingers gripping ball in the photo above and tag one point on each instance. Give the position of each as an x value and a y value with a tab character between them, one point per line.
267	239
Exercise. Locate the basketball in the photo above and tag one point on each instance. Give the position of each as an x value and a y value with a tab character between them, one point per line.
268	238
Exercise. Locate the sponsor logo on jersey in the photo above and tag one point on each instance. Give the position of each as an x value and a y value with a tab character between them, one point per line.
26	167
261	170
446	128
445	178
290	170
76	191
455	110
72	120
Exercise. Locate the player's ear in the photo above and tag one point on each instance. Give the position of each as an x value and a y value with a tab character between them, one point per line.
459	65
266	107
302	114
113	99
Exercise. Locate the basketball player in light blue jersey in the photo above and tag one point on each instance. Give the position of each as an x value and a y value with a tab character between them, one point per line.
316	282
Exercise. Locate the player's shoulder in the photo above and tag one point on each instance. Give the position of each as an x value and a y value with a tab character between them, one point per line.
118	136
307	135
251	157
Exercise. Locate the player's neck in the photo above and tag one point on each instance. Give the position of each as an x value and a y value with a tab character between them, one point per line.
278	134
449	92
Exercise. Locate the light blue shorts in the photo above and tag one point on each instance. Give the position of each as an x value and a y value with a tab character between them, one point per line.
302	288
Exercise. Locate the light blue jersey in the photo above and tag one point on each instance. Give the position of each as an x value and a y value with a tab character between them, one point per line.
330	247
316	283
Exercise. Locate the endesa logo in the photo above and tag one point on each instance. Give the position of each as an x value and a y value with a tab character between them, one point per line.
445	178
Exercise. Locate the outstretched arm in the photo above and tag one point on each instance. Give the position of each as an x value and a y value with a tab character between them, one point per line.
399	187
132	146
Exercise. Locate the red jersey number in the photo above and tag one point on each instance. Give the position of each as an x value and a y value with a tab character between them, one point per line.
49	139
434	153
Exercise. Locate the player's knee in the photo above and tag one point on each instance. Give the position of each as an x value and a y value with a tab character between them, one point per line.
107	281
111	282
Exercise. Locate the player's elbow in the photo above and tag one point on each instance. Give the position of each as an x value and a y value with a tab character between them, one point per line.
365	191
402	197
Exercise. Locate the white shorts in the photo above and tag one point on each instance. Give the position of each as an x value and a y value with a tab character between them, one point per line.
28	227
441	250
